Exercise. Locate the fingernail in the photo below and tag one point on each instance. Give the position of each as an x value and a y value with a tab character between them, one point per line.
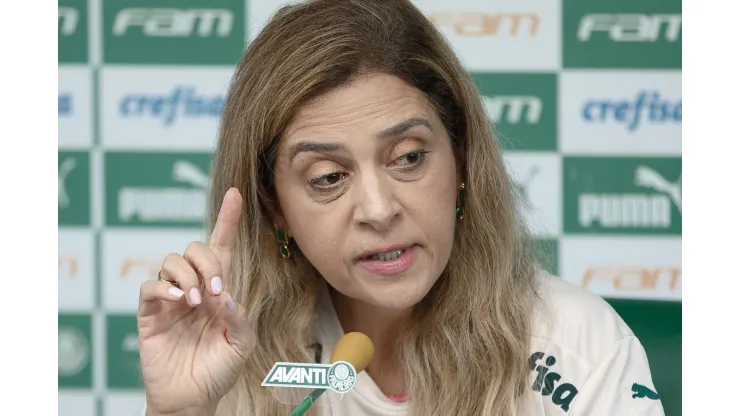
176	292
195	296
217	285
231	304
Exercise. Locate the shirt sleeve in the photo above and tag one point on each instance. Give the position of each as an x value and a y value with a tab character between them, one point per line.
621	385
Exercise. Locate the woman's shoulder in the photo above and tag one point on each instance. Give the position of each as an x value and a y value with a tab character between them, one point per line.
576	319
584	358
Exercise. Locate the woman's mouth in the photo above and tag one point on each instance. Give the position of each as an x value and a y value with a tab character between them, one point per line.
387	256
388	263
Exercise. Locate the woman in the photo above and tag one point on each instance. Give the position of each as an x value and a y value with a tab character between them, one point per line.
358	187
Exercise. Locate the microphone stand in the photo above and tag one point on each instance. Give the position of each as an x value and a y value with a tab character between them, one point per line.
307	402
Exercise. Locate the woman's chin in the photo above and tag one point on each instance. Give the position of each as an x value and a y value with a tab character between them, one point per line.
400	296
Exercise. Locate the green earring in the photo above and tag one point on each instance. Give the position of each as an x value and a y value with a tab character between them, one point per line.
282	238
460	202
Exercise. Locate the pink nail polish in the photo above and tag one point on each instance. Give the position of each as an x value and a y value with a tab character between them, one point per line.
195	296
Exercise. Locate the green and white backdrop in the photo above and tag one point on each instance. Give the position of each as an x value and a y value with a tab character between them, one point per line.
585	94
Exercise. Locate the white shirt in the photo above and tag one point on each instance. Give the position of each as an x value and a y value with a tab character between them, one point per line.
585	361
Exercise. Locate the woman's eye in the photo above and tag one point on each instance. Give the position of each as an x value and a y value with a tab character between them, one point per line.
328	180
410	158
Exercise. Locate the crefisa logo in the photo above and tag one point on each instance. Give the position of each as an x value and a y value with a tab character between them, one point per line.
550	383
65	104
646	107
184	101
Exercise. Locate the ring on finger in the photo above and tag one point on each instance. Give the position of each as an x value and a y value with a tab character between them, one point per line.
161	279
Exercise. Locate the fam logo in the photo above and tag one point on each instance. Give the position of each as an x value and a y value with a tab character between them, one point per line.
146	268
69	19
631	27
183	101
513	109
69	266
633	280
548	382
480	24
174	23
65	104
646	106
631	209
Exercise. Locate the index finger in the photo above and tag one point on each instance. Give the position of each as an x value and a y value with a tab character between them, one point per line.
223	237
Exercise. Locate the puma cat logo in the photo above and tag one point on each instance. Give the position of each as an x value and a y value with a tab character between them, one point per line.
642	391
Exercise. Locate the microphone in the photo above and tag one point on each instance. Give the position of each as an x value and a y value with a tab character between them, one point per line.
354	348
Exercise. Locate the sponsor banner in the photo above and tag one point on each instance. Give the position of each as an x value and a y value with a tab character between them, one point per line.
76	270
72	41
123	371
640	195
131	257
624	267
75	351
522	108
75	108
156	189
74	188
173	32
147	108
620	113
537	178
525	32
77	403
622	34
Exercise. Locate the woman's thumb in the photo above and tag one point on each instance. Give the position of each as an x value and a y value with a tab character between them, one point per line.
239	333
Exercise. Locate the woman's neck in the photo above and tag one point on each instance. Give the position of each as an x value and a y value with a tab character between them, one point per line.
384	328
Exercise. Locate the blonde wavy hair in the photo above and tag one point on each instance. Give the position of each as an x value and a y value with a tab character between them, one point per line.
467	349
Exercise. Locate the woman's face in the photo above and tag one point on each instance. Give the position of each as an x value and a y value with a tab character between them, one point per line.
367	181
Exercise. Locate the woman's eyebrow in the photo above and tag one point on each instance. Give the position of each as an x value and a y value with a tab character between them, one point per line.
401	127
325	147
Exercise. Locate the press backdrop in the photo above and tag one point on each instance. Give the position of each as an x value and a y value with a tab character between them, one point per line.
586	95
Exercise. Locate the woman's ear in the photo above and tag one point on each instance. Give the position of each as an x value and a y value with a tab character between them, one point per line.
272	207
